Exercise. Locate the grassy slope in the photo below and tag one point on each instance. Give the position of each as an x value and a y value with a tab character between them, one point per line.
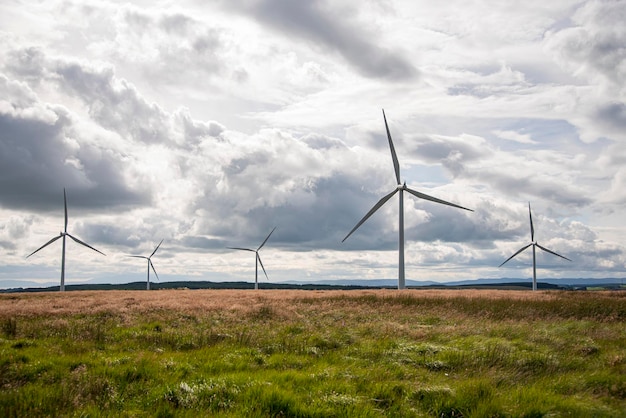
313	353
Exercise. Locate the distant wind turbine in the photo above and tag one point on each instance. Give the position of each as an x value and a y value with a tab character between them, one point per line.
401	188
63	235
149	264
534	244
258	260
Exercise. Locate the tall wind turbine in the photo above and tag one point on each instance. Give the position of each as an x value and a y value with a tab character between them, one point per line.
149	264
400	188
534	244
258	260
63	235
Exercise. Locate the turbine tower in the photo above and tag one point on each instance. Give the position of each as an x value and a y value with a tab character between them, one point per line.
258	260
149	264
534	244
400	188
63	235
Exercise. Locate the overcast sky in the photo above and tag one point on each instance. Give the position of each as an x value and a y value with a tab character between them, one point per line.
208	123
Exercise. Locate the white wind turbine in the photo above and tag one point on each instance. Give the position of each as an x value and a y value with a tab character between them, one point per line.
534	244
258	260
149	264
63	235
401	188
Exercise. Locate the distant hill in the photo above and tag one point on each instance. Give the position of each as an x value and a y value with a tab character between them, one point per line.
181	285
504	283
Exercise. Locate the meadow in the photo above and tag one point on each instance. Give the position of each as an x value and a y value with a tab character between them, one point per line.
286	353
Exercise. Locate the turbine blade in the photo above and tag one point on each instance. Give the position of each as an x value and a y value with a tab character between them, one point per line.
434	199
261	263
85	244
268	237
157	247
518	251
532	229
394	157
371	212
138	256
65	204
239	248
153	269
552	252
45	245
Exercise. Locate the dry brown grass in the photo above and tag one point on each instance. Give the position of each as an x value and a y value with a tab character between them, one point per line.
294	304
197	301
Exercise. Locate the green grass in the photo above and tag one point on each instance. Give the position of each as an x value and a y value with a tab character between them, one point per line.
347	355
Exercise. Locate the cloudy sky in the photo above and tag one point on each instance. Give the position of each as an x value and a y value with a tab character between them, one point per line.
208	123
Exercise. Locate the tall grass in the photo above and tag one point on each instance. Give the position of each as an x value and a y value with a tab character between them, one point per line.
313	354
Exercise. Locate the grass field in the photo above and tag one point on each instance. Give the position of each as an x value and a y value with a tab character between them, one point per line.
360	353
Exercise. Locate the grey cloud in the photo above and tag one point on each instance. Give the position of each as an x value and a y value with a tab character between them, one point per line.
177	23
200	242
588	257
187	47
117	106
320	24
613	115
319	210
41	152
437	149
14	229
482	91
7	245
292	183
443	224
114	103
480	229
596	44
26	63
336	206
110	234
540	186
196	131
593	48
322	142
252	160
491	223
454	153
17	227
469	157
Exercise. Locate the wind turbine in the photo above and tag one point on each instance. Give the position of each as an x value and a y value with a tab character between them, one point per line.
258	260
534	244
149	264
401	188
63	235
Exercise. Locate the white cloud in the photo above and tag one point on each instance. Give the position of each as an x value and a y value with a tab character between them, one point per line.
514	136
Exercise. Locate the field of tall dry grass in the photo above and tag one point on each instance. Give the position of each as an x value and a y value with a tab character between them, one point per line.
195	301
